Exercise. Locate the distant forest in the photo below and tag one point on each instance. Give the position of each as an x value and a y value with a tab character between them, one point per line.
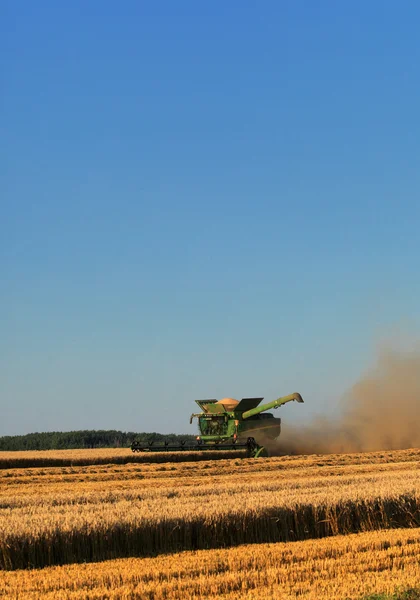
57	440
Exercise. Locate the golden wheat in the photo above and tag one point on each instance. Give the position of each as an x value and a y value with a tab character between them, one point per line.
340	567
53	516
103	456
122	456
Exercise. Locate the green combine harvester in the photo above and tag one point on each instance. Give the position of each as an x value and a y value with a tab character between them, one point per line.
230	425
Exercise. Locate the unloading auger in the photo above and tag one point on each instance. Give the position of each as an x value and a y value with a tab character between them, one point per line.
230	425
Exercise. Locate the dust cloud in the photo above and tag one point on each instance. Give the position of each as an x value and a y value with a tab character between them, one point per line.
380	412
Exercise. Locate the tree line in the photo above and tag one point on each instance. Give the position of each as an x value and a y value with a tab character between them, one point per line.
58	440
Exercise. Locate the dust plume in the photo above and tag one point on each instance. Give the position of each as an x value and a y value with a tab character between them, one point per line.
380	412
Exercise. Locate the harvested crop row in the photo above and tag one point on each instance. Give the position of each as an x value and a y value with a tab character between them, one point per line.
341	567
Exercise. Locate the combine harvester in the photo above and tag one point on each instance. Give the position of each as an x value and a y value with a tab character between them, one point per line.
229	425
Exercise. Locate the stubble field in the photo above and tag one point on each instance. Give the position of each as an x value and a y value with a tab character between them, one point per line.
234	528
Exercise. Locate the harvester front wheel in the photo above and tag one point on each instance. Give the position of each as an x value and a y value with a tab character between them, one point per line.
254	449
261	452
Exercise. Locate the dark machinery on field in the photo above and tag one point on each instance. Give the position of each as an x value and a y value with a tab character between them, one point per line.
230	425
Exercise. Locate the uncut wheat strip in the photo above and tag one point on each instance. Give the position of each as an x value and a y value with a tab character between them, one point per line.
252	497
99	532
141	458
64	453
304	567
61	494
367	486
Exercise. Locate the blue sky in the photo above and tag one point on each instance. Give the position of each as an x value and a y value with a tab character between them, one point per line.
202	200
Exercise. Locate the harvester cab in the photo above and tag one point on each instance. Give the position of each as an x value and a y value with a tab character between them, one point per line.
228	424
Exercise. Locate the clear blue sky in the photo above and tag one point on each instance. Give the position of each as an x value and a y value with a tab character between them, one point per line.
202	199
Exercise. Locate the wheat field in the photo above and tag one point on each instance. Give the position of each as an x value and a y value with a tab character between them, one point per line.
213	514
103	456
343	567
